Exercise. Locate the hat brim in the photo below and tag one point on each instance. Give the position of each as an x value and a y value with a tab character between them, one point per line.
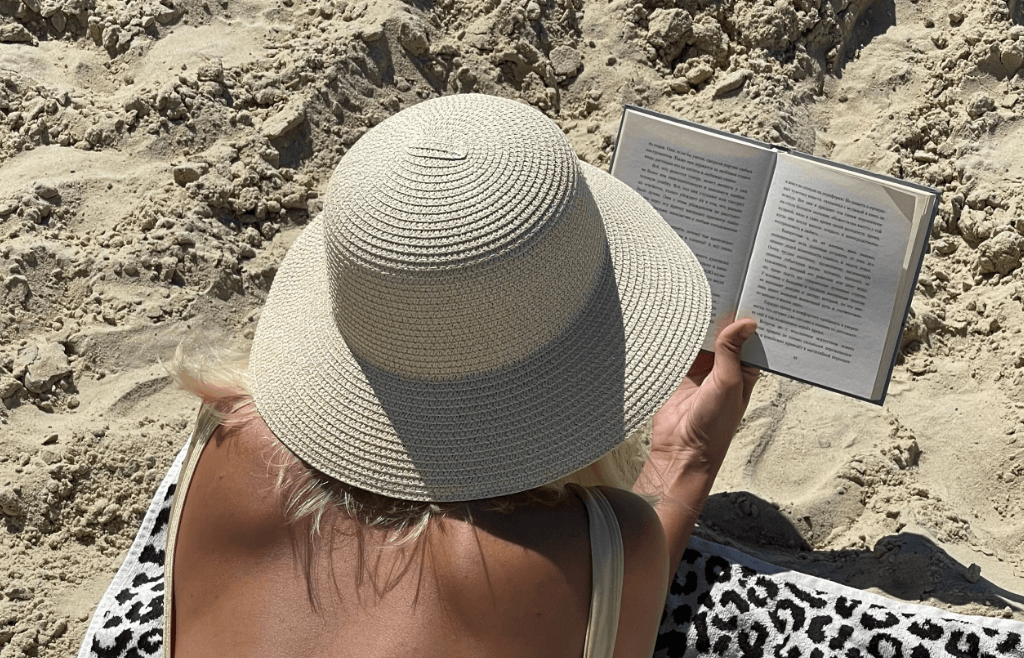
502	431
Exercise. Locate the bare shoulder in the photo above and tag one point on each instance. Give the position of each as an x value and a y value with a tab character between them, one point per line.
638	522
643	537
646	577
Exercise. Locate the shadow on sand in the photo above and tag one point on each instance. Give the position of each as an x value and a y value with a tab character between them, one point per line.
906	566
875	20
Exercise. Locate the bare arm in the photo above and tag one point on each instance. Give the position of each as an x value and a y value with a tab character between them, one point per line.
692	434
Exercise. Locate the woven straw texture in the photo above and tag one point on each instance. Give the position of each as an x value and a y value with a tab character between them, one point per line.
475	312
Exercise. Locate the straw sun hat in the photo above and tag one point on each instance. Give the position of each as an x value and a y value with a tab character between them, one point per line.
475	312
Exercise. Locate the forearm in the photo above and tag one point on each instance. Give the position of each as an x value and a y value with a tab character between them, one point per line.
681	484
691	434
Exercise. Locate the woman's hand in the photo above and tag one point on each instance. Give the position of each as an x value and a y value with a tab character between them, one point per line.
698	422
692	433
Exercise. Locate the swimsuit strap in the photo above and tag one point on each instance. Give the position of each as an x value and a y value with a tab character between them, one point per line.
608	558
206	423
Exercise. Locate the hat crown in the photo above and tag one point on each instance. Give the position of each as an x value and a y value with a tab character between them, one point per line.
460	238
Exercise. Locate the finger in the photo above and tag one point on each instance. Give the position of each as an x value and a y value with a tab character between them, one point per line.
724	322
728	345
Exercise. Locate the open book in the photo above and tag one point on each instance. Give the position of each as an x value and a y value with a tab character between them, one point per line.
824	256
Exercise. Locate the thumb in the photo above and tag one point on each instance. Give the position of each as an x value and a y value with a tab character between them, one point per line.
728	345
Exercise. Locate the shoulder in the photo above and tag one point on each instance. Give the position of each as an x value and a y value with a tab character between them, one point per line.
233	487
638	522
646	577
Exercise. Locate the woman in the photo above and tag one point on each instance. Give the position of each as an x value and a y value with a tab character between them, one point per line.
476	331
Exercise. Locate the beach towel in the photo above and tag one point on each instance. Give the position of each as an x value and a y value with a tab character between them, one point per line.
722	603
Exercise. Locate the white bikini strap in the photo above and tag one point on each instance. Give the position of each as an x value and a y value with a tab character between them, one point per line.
608	558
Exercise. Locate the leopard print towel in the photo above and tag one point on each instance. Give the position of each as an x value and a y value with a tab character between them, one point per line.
129	620
727	603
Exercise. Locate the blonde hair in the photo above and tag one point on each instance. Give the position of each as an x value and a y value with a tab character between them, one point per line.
218	377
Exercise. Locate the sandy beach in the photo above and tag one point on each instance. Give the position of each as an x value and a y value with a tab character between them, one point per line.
158	158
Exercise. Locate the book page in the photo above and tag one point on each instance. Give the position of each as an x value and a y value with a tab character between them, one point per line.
825	271
708	187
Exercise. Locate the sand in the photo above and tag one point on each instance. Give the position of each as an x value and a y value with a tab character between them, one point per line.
157	159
